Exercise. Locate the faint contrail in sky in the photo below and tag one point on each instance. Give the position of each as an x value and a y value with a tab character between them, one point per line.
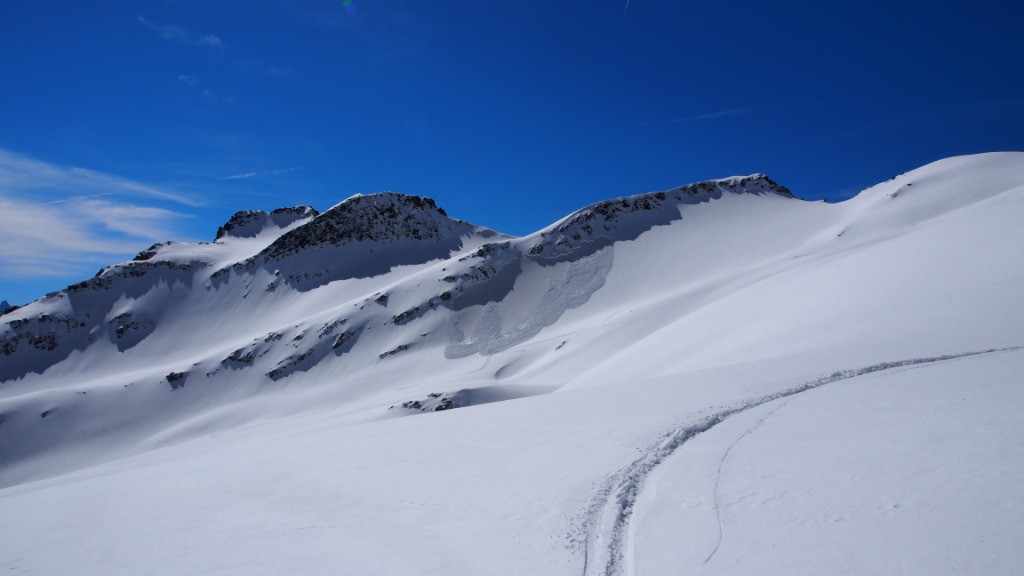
626	10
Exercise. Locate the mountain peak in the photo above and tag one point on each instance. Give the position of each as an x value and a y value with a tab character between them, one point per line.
757	183
625	218
396	199
250	223
382	217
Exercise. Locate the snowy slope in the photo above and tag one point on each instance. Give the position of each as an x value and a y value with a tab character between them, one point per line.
667	383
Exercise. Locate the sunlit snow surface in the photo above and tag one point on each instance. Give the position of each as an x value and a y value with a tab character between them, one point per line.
725	382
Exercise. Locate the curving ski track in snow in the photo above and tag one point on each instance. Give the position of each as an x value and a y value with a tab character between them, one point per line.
605	521
718	478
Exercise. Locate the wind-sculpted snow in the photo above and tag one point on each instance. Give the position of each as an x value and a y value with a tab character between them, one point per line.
485	325
490	315
602	530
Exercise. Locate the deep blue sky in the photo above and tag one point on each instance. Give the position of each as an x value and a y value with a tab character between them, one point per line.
125	122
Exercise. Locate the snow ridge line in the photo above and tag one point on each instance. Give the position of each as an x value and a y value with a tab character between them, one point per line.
603	528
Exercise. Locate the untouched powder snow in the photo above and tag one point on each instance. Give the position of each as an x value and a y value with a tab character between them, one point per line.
719	378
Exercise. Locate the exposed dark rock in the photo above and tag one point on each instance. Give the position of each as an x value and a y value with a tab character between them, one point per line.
374	218
150	252
249	223
176	379
45	342
599	225
393	351
130	329
434	402
42	333
289	365
343	338
240	356
329	329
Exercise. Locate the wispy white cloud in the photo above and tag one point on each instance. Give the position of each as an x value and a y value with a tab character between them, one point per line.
166	31
242	176
211	40
76	235
20	174
149	222
247	175
56	221
715	115
180	35
210	96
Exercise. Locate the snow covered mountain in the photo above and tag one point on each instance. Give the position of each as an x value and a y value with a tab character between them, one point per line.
718	378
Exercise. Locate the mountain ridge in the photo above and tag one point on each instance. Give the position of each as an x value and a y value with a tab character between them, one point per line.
188	340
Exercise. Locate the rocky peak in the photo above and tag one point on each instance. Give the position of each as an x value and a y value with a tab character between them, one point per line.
752	184
249	223
147	254
382	218
625	218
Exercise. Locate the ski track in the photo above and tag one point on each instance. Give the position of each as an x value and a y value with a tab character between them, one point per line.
718	477
603	526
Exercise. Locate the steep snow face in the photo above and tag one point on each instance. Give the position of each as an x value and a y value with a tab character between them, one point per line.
383	302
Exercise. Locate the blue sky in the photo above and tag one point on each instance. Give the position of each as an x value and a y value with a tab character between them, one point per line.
124	123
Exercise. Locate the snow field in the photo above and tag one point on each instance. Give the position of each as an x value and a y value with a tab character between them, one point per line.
729	384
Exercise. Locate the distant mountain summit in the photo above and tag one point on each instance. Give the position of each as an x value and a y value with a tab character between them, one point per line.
250	223
377	218
600	224
4	306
